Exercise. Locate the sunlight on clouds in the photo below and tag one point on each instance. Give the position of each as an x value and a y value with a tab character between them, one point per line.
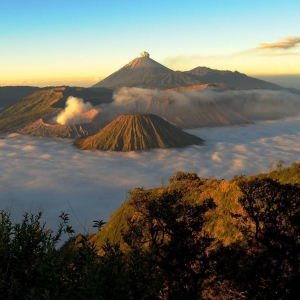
277	58
240	148
215	157
45	156
285	44
28	148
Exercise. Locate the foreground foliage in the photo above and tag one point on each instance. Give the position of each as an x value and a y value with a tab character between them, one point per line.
170	248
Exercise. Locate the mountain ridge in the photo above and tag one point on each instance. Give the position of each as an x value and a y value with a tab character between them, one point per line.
145	72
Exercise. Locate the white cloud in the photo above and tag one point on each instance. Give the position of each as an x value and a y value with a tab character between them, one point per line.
75	107
52	173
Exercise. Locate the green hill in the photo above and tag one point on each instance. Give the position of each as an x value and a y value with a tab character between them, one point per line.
225	193
193	239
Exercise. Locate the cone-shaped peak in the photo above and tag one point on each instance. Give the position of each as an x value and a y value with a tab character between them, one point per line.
135	73
145	62
138	132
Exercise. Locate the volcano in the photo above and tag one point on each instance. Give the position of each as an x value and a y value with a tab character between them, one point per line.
138	132
135	73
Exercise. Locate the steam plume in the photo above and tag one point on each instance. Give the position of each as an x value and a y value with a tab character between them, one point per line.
145	54
72	113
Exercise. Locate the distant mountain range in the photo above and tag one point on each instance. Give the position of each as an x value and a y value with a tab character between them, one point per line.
145	72
186	100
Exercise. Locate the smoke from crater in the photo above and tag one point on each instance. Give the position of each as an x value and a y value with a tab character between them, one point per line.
75	107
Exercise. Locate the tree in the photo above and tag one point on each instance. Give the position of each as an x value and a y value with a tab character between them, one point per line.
271	226
169	229
28	254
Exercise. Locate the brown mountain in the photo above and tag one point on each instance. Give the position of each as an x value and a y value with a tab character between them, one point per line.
145	72
231	80
135	73
193	113
138	132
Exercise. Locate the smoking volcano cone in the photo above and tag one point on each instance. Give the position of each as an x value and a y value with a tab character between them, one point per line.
135	73
138	132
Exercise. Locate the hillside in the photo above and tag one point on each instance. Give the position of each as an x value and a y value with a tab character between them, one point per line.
137	132
12	94
225	194
193	239
33	107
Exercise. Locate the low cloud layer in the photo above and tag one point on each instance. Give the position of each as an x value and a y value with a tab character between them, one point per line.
251	104
53	176
73	110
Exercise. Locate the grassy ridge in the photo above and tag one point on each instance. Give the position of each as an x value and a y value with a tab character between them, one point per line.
225	193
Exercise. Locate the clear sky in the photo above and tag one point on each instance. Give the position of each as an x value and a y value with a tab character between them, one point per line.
79	42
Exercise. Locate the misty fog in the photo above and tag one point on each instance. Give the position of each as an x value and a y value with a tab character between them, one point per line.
53	176
207	107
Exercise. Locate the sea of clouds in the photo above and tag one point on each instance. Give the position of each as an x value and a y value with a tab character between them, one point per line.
51	175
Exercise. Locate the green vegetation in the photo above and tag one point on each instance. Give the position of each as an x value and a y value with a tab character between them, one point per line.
284	175
193	239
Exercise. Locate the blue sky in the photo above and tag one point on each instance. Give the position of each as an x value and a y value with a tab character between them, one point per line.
80	42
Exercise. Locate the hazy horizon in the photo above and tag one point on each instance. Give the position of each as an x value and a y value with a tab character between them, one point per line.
287	81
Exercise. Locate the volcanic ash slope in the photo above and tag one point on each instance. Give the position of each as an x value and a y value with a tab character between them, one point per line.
138	132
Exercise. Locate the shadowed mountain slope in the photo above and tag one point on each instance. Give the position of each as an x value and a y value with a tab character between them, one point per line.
192	114
12	94
232	80
138	132
30	109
